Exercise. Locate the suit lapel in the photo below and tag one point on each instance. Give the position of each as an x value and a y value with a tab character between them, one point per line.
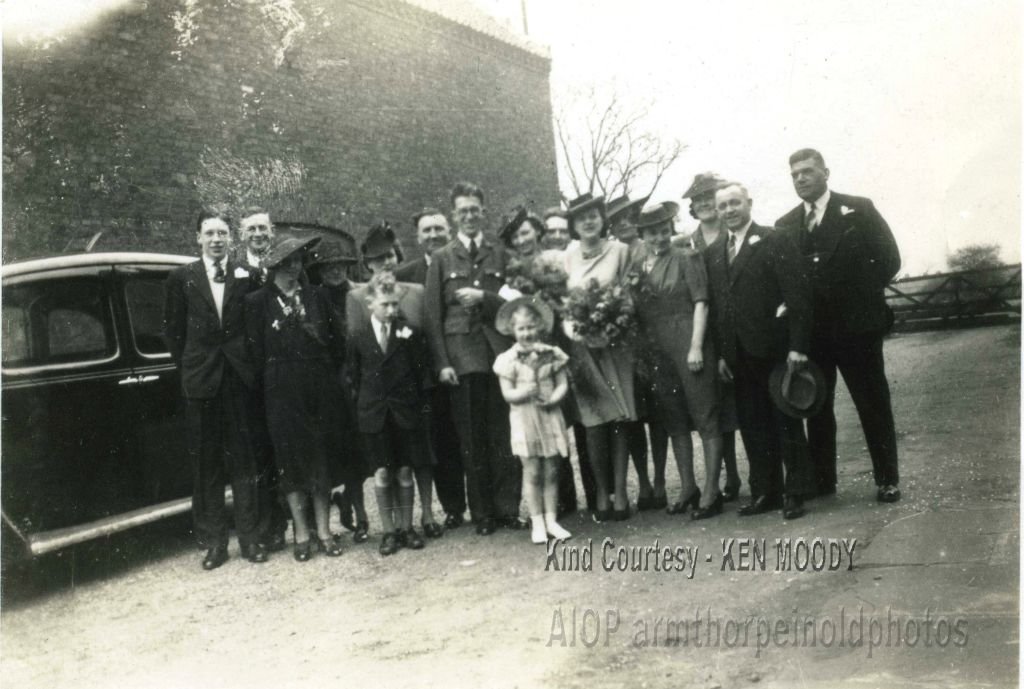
745	252
202	283
830	227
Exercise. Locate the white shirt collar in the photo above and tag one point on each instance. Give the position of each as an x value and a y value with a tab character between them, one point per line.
742	234
252	259
466	240
819	206
209	262
426	257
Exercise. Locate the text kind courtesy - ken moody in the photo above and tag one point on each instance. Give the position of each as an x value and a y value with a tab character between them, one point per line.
743	554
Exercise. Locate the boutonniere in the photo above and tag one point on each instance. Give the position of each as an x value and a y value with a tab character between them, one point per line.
241	272
404	334
845	210
754	239
276	325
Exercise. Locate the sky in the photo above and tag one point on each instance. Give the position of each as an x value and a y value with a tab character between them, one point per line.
914	103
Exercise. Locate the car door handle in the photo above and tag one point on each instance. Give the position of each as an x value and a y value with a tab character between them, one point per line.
130	380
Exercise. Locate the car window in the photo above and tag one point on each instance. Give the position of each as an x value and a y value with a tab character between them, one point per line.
144	295
57	322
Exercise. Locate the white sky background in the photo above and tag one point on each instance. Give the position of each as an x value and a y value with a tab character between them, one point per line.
914	103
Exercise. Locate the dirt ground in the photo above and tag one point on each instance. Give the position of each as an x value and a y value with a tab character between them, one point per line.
137	611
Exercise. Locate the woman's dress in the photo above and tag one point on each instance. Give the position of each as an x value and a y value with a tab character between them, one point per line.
602	378
298	356
672	283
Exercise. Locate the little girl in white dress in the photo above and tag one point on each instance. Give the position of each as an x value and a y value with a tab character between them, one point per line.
534	382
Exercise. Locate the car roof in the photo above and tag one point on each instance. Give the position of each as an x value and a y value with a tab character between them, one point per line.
39	265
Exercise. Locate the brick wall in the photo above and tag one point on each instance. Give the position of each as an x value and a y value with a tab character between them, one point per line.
374	110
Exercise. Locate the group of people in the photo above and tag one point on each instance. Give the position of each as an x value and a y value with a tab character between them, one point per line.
300	384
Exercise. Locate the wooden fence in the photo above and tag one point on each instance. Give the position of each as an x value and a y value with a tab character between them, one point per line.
955	300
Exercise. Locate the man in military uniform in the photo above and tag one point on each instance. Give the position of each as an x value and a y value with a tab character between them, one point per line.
460	303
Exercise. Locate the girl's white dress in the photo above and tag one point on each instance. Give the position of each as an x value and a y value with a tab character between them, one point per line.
535	432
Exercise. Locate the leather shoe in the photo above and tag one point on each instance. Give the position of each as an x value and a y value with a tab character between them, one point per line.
412	540
331	547
712	510
432	530
453	521
389	544
601	516
621	515
215	557
362	533
644	504
254	552
730	493
684	506
303	551
793	507
889	494
760	505
513	523
485	527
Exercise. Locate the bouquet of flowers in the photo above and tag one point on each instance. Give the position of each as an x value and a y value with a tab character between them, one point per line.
639	286
601	316
545	278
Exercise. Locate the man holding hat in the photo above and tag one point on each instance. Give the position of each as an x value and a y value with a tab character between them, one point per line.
762	301
461	303
204	325
851	255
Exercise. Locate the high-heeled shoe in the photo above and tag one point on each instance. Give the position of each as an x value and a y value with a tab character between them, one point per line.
303	551
684	506
331	547
730	492
712	510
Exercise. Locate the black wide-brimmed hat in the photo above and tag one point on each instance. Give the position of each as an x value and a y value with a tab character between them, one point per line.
622	205
584	203
287	246
503	321
508	232
703	183
334	251
800	394
656	214
379	241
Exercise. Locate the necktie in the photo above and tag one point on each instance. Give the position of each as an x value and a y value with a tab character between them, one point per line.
473	250
732	248
384	337
218	271
811	221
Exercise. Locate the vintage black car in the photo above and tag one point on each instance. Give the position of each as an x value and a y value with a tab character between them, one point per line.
92	439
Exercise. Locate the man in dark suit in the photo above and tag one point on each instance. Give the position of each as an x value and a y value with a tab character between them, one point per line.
851	255
256	233
432	234
205	331
460	304
762	306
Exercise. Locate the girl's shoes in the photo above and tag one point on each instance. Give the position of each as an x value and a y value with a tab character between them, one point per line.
538	533
432	529
554	529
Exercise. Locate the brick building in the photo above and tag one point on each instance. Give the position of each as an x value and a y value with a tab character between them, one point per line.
335	112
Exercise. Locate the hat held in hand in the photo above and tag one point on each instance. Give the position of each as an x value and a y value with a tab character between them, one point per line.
800	393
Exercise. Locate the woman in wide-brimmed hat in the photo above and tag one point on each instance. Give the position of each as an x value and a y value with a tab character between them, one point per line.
602	376
297	344
702	207
673	313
